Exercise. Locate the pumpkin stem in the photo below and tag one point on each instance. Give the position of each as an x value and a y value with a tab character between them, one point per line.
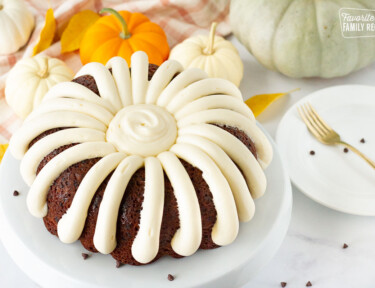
211	40
44	72
125	34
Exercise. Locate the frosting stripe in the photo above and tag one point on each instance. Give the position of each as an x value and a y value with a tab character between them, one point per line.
71	225
161	79
181	81
104	81
250	167
188	237
244	202
146	244
203	88
121	76
106	225
20	141
77	91
46	145
139	77
75	105
214	102
226	227
234	119
36	199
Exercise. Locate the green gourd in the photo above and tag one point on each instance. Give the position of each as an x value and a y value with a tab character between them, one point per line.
301	38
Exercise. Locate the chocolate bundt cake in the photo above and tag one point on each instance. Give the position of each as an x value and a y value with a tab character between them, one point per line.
143	163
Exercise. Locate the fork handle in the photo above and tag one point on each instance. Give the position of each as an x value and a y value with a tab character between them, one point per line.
359	153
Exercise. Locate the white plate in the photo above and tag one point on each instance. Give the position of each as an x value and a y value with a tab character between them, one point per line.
338	180
51	263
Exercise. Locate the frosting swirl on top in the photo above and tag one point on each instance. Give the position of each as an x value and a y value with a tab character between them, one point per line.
142	129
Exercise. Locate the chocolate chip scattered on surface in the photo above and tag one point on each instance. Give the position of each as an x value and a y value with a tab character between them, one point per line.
118	264
363	140
85	256
308	284
170	277
346	150
345	246
283	284
312	152
16	193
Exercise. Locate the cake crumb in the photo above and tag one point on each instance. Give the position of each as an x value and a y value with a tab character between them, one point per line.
16	193
170	277
345	246
85	256
118	264
283	284
346	150
363	140
312	152
308	284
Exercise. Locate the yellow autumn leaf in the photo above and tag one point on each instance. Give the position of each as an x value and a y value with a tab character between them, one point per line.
3	148
76	29
47	34
259	103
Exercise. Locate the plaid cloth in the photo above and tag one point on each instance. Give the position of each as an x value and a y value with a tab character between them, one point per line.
179	18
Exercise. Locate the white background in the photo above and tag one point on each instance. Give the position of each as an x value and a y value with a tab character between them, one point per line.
312	250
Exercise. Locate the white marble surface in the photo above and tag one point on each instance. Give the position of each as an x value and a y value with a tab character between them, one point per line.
312	250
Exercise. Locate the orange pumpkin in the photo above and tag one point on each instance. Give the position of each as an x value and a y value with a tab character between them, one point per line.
121	34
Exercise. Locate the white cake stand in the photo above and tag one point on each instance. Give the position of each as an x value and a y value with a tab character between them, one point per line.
51	263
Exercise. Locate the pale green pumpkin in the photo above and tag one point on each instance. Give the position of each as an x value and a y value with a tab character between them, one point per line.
301	38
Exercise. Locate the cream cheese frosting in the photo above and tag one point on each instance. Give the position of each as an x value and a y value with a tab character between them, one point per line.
142	129
152	124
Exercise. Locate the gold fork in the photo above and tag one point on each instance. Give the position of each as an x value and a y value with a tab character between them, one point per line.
323	132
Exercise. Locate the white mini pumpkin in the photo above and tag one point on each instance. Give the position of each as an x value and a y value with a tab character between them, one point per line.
213	54
16	25
30	79
301	38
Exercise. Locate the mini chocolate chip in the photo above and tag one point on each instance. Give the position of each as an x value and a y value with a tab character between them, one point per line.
345	246
85	256
363	140
312	152
16	193
346	150
308	284
118	264
283	284
170	277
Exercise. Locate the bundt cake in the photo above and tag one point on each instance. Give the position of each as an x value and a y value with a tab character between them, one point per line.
143	162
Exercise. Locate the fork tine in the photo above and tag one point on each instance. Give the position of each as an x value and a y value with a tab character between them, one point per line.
312	122
315	119
320	119
309	126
